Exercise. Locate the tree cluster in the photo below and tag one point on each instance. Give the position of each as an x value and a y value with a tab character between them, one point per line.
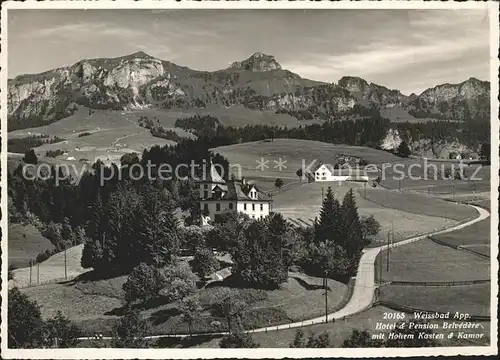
338	237
313	341
131	226
27	329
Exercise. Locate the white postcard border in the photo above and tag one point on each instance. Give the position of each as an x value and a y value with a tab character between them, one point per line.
107	353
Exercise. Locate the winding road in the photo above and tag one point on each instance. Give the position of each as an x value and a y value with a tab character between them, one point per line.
364	288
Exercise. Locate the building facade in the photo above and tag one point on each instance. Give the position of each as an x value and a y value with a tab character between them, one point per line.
325	173
218	196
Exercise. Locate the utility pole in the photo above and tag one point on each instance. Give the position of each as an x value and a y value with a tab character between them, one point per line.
380	264
388	249
31	263
365	190
65	266
325	281
38	273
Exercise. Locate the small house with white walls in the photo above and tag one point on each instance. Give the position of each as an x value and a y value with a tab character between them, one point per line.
218	196
326	172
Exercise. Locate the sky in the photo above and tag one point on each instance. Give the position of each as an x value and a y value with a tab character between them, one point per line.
408	50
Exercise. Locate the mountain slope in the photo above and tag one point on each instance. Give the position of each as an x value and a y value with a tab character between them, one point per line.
468	100
140	81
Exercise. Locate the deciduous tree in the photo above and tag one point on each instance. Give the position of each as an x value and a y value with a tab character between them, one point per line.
205	262
239	340
190	309
361	339
278	183
26	328
130	331
62	332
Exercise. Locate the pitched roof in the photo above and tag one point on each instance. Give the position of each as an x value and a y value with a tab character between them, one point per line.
236	190
212	175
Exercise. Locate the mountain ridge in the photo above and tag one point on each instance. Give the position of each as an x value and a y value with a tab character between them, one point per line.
258	82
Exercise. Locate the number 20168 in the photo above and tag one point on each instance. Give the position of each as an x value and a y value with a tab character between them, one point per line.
394	316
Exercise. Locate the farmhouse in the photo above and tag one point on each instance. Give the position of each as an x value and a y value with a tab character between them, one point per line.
218	195
326	172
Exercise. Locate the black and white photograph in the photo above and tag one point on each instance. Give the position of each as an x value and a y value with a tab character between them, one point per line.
233	179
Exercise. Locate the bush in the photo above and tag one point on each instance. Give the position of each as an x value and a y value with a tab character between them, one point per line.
130	331
54	153
178	281
369	228
361	339
314	341
10	270
205	263
238	339
193	238
26	328
44	255
84	134
143	283
60	327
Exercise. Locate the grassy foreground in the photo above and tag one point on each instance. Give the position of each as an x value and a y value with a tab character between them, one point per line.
426	261
25	243
96	305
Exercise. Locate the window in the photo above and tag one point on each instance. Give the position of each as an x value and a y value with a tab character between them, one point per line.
230	206
218	194
253	207
205	187
261	207
205	208
244	206
205	194
217	207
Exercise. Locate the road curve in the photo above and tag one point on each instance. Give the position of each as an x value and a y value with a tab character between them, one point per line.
364	288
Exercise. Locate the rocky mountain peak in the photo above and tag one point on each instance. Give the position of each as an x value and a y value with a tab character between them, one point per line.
356	85
257	62
141	53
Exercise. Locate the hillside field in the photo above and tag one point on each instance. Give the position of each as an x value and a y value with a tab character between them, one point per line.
427	176
25	243
418	204
301	203
110	135
237	116
476	234
51	269
471	299
398	114
340	331
95	305
430	262
294	153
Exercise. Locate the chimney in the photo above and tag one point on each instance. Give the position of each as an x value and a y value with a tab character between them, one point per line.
243	181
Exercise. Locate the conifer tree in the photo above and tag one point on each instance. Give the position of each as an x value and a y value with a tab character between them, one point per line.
352	236
329	223
156	231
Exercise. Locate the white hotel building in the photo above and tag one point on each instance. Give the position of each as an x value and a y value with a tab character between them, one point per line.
218	195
